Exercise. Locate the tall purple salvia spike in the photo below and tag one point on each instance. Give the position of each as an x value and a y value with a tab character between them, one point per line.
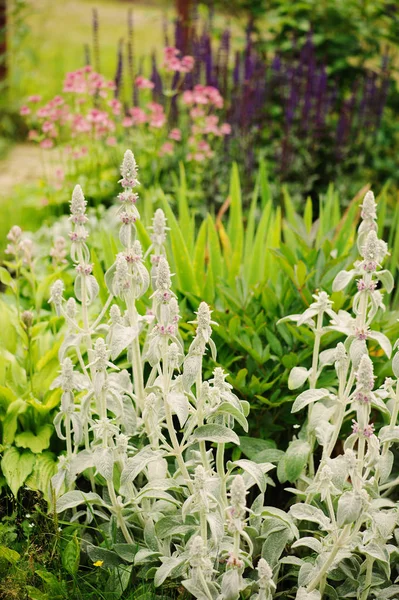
165	29
119	70
96	40
86	49
130	54
156	80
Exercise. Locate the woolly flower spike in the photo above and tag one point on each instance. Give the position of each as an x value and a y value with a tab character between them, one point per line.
373	251
265	575
163	281
115	314
196	551
365	373
100	355
199	478
70	308
158	236
204	321
237	497
129	171
78	202
121	282
369	207
57	289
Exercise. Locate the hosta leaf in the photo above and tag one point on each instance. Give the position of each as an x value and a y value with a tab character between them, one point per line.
10	422
16	467
35	443
44	468
10	555
216	433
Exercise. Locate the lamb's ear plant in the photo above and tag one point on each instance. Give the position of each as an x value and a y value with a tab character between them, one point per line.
152	440
346	494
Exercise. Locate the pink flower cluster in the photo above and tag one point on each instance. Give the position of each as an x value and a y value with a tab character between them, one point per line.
173	62
88	112
203	95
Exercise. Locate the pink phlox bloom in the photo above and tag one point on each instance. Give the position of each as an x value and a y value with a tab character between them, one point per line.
143	83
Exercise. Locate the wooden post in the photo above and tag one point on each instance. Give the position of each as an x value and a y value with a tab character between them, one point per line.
184	13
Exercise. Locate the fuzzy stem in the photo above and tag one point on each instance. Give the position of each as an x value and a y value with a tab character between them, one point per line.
369	575
324	570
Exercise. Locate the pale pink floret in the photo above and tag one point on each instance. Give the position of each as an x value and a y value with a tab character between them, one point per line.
111	141
24	110
167	148
175	134
34	98
138	115
142	83
46	144
127	122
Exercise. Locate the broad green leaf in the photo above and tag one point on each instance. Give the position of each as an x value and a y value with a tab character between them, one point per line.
295	459
71	555
36	443
235	227
199	255
10	555
16	467
44	469
251	447
10	422
184	268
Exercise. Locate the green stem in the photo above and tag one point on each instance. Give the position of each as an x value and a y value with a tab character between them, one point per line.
369	575
324	570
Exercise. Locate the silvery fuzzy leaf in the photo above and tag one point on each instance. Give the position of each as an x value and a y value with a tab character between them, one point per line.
157	470
144	556
377	550
72	339
306	573
127	234
109	279
307	316
358	348
109	558
213	348
75	497
129	421
57	481
137	463
327	357
169	564
292	560
121	338
385	464
376	402
294	460
389	434
92	288
82	461
349	508
387	593
285	518
199	593
216	525
229	409
305	512
232	584
302	594
77	428
383	341
385	522
216	433
342	279
180	406
142	278
157	495
386	279
256	471
297	377
395	365
308	397
191	368
309	542
324	430
104	462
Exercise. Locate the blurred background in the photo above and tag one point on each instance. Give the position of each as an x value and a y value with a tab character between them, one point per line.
310	89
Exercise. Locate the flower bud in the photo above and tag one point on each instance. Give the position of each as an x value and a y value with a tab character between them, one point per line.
163	281
100	354
115	314
27	318
265	574
70	308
